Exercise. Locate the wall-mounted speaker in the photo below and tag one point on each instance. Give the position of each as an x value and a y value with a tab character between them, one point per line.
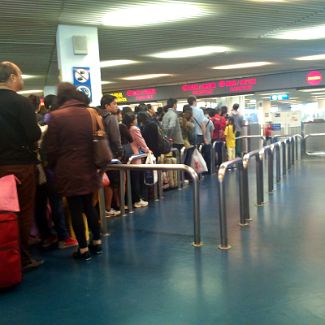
79	44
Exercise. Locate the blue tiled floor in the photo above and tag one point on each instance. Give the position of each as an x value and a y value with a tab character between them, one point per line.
150	273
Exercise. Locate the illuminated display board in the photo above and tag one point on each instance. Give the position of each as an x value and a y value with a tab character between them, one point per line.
224	87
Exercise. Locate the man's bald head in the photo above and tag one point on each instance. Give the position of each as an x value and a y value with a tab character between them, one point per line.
10	76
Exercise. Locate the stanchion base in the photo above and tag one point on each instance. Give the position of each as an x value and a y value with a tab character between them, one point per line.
106	234
197	245
243	224
157	200
250	219
224	248
130	212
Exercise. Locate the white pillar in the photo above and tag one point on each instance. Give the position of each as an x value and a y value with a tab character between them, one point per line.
77	47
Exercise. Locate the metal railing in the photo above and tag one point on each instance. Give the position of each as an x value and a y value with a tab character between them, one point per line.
224	245
303	146
273	151
221	149
177	154
164	167
254	136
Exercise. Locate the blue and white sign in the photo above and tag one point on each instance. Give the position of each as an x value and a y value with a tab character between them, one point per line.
279	97
276	127
81	79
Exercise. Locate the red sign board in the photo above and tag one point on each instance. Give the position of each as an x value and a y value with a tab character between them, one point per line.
314	78
142	94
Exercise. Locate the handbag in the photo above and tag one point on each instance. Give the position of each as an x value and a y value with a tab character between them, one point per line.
164	145
198	163
102	153
150	176
9	196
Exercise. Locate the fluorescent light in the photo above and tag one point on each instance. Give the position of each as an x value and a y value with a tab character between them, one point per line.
307	33
190	52
147	76
312	90
27	76
34	91
107	82
242	65
311	57
153	13
115	63
268	0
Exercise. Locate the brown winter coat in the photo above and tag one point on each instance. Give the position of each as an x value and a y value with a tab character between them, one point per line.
69	150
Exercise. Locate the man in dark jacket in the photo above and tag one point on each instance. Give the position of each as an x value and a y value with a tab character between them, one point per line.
18	134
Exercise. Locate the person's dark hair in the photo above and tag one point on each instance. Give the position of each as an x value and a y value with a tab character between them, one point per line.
6	70
127	109
67	91
107	99
187	108
128	119
143	118
235	107
224	110
148	107
212	112
51	102
171	102
35	101
191	100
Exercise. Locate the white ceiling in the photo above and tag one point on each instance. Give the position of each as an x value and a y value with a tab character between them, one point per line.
28	32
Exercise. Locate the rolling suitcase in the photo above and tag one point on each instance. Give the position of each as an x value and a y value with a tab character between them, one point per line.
10	262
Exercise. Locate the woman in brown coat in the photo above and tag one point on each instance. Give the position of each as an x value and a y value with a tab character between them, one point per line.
69	151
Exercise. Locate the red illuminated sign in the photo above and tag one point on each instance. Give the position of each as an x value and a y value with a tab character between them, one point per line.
142	94
200	89
238	85
314	78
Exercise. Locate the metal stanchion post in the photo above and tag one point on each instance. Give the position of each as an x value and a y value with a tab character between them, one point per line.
284	159
160	185
243	221
196	210
296	148
288	145
246	191
292	140
212	160
259	180
277	162
129	191
101	202
122	192
223	216
270	169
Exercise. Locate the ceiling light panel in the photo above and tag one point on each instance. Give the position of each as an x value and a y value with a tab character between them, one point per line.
27	76
116	63
311	57
307	33
312	90
153	14
242	65
190	52
33	91
147	76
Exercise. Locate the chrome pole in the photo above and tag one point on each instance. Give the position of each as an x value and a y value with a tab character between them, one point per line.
246	191
284	159
259	179
129	191
243	221
160	185
288	145
278	162
122	192
101	204
270	169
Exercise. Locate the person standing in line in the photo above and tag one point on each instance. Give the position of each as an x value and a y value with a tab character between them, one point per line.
171	126
230	132
19	133
198	119
70	155
238	123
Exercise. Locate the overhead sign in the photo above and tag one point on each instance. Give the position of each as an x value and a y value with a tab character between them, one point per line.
279	97
226	87
314	78
81	79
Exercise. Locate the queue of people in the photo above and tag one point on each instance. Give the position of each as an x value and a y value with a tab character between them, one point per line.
50	151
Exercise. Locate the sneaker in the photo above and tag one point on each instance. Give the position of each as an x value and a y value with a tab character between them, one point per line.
81	257
32	265
96	249
112	213
69	242
143	203
50	241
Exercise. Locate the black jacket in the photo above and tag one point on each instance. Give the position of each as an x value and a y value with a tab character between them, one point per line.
19	131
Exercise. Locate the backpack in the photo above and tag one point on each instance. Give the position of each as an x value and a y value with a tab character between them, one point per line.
216	120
